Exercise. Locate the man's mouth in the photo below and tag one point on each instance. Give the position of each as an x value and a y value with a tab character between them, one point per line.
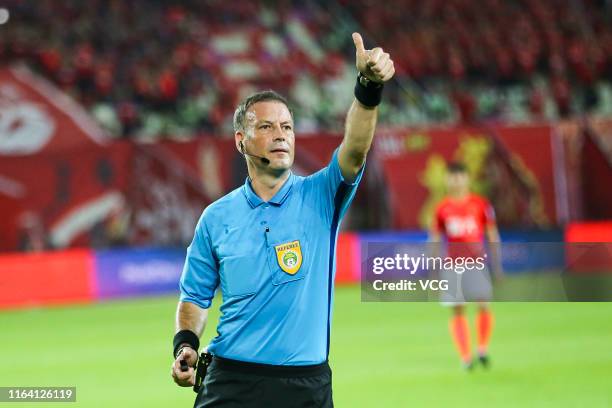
279	150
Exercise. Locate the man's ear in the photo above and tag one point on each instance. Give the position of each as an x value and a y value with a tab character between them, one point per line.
238	139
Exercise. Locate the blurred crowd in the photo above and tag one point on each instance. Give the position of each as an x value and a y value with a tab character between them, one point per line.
151	68
518	60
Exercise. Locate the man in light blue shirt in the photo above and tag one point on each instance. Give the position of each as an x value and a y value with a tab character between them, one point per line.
269	246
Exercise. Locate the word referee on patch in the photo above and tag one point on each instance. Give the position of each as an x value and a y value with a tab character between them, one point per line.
269	247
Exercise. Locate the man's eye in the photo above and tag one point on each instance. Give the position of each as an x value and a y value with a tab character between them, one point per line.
288	127
264	127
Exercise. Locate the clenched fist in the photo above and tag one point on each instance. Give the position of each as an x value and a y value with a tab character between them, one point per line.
374	64
185	378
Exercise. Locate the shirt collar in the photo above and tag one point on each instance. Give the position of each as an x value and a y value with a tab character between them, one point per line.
278	199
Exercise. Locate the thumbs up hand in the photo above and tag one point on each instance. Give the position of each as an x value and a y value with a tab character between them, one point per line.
374	64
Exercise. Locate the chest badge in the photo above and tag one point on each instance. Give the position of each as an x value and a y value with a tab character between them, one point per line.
289	257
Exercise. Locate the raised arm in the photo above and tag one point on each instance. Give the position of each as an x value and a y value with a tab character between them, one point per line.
375	68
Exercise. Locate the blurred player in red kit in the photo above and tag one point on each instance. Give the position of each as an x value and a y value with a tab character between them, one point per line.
465	220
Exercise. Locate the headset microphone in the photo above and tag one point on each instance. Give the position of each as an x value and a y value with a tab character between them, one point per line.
244	153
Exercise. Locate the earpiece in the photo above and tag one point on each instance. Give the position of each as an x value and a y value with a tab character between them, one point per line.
244	153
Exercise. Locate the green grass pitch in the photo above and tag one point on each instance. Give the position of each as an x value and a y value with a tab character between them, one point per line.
117	354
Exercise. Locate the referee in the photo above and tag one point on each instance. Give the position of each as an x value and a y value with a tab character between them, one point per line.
270	246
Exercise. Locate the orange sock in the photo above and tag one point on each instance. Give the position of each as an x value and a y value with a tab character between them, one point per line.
461	335
484	326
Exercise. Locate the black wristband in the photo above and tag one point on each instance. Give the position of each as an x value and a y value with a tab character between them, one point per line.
367	92
186	337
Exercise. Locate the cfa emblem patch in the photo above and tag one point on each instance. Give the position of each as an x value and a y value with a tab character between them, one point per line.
289	257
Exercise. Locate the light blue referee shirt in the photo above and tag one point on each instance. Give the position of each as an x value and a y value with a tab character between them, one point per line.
275	264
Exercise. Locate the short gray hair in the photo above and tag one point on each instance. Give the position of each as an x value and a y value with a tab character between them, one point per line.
263	96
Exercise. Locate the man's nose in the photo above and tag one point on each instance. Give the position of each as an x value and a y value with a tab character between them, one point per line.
279	134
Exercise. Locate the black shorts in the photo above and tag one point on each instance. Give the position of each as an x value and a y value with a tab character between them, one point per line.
236	384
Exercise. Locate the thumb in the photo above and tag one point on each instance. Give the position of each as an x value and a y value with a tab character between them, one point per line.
358	44
182	354
185	354
189	354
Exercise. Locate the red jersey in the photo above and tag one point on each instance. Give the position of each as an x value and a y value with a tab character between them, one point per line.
464	220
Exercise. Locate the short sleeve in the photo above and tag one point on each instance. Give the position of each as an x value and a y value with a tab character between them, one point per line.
200	277
333	191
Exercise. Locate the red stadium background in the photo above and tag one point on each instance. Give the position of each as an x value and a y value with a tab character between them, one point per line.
65	185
